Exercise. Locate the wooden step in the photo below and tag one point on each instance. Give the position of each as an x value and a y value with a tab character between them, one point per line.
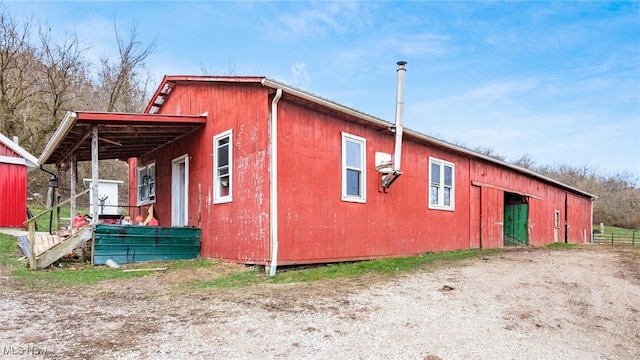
61	248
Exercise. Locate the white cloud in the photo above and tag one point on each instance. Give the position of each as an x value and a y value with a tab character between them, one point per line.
311	19
300	75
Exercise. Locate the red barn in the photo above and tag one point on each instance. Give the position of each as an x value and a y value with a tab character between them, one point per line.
275	175
14	162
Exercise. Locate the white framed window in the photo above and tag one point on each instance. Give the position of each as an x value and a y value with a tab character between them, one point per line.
354	160
223	167
441	184
147	183
556	219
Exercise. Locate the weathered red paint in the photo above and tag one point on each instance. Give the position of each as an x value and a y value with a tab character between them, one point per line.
13	191
578	216
491	218
239	230
543	199
315	225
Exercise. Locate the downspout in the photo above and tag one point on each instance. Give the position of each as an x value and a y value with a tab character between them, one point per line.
273	184
48	172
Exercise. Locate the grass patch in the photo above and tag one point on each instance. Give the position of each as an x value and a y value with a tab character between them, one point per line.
561	246
389	267
66	218
614	229
74	274
69	277
235	280
88	275
183	264
615	235
8	251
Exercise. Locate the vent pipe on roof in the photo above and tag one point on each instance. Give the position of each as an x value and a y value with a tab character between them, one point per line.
389	178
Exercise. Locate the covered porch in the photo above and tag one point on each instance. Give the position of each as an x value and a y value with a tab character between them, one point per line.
95	136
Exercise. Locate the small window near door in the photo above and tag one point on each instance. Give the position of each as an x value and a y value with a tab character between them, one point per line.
222	167
556	219
147	184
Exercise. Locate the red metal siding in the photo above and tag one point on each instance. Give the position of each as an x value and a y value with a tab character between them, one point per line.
578	221
544	201
491	218
5	151
13	191
237	231
474	217
316	225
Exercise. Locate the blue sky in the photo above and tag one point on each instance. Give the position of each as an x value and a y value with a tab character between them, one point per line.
559	81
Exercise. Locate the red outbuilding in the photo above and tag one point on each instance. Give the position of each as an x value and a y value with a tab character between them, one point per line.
14	165
275	175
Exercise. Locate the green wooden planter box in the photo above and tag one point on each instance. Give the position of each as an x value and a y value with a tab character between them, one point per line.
127	244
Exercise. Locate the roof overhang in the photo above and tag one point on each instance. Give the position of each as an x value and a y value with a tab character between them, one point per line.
29	160
120	135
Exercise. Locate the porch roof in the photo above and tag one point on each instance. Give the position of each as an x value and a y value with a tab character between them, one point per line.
120	135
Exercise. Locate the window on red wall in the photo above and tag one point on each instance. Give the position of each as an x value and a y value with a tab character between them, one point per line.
222	167
441	184
147	183
353	168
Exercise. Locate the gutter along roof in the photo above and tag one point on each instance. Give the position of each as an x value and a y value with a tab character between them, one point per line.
120	135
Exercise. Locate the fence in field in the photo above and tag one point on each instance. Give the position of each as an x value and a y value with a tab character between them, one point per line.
616	237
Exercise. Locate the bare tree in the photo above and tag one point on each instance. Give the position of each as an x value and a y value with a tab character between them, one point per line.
121	80
489	151
618	197
17	83
231	69
64	69
525	162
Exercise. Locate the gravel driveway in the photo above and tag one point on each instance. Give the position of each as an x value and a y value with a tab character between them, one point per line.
580	303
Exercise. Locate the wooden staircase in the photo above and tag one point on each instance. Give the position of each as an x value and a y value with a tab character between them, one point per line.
49	248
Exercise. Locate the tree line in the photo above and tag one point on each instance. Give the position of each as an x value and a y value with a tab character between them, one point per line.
41	78
618	194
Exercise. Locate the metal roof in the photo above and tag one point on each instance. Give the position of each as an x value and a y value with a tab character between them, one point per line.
416	136
166	87
120	135
30	160
168	82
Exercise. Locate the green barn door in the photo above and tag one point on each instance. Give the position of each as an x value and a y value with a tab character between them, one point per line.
515	224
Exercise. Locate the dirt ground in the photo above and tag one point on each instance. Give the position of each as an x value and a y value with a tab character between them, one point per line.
580	303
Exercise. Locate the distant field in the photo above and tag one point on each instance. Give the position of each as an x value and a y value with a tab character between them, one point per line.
615	235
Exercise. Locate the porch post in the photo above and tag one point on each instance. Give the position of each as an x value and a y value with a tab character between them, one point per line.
72	189
94	173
